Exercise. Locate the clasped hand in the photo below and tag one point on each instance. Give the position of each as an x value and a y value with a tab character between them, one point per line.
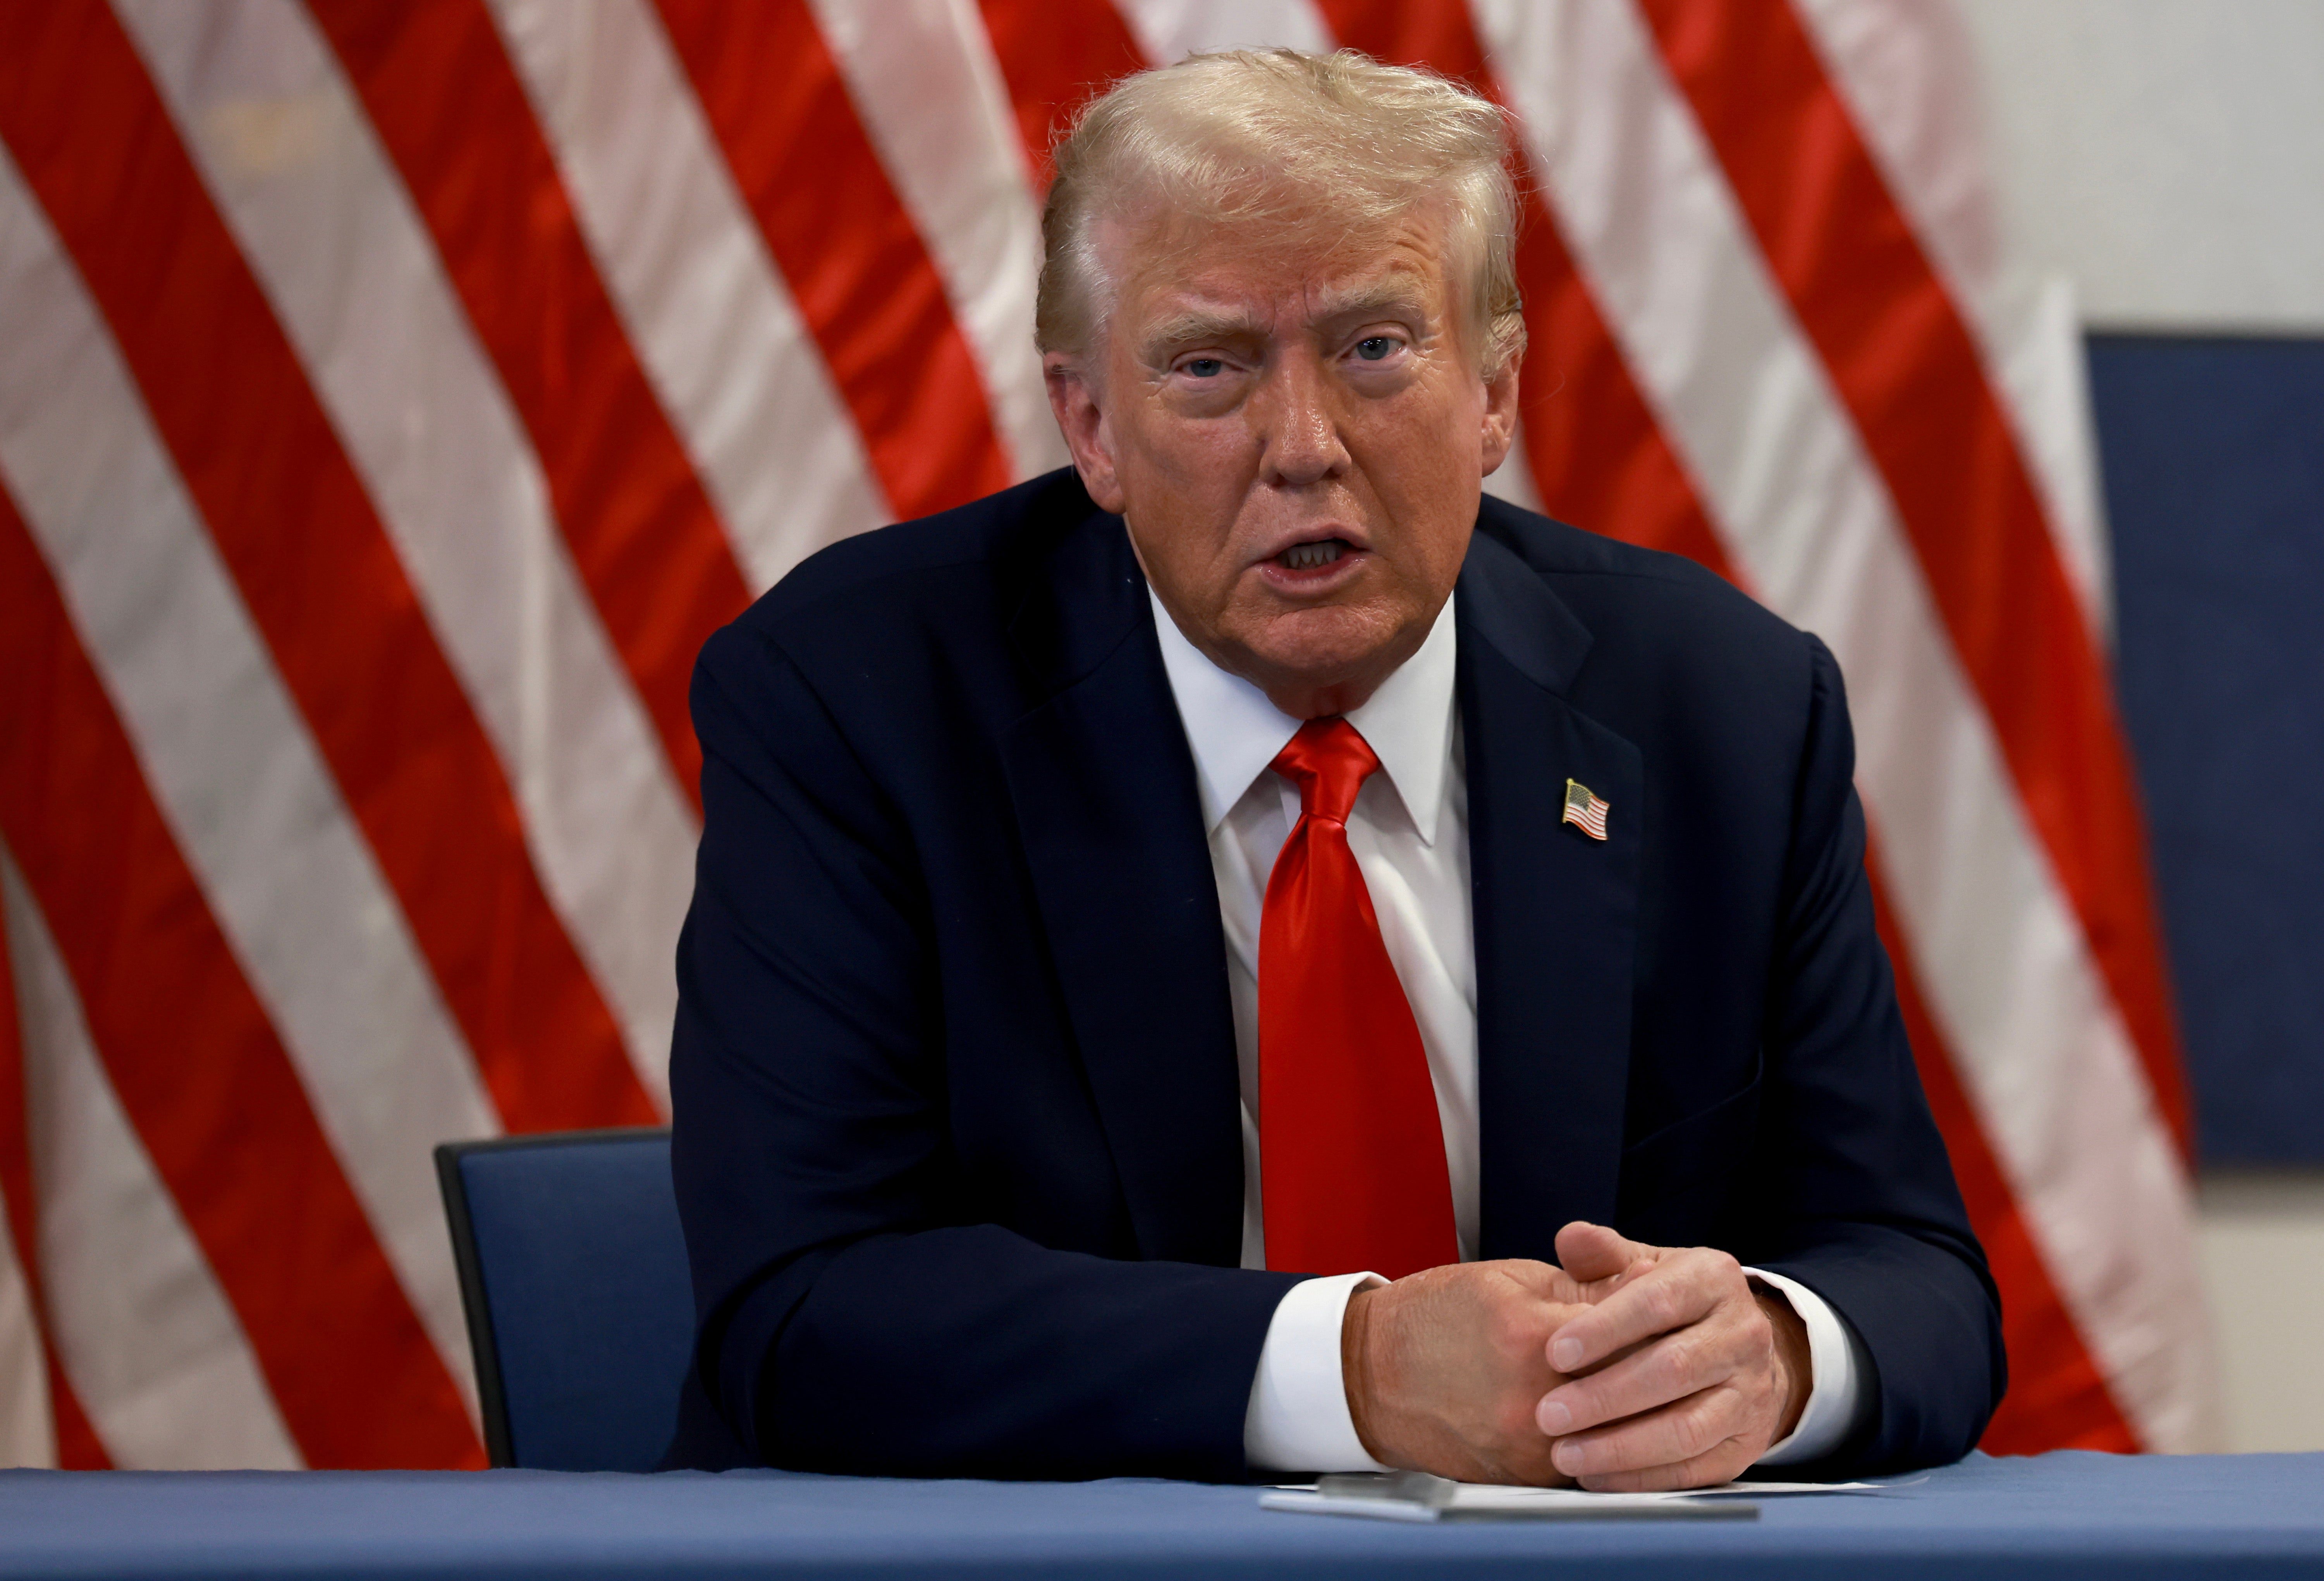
1627	1367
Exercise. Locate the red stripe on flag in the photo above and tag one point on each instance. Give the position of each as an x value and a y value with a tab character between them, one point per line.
1055	56
198	1067
312	561
1911	374
76	1443
78	1448
1599	459
858	270
447	105
2058	1399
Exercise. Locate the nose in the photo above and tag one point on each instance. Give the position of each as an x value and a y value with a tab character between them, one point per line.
1298	423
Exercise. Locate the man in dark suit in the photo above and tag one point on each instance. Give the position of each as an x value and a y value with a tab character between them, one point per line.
1246	955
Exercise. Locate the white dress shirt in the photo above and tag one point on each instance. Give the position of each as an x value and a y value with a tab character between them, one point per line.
1409	831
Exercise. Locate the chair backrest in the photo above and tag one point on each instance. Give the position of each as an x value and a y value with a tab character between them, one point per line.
580	1309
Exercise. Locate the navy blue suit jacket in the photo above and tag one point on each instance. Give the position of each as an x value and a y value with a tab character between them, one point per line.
956	1136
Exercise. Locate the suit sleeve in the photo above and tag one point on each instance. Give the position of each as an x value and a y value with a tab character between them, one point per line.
1866	1211
852	1315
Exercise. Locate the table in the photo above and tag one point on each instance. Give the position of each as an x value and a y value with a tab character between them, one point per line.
2052	1516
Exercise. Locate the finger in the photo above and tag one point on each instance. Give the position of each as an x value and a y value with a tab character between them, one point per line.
1567	1290
1588	1293
1674	1293
1713	1425
1669	1367
1592	1252
1598	1289
1549	1282
1723	1465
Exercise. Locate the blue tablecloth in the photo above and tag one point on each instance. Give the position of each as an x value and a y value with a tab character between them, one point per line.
2058	1515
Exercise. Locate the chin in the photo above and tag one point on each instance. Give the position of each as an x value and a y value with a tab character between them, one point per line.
1326	646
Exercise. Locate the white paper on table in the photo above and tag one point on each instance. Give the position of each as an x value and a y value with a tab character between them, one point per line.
1415	1496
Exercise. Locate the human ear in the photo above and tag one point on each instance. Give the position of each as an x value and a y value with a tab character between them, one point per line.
1499	429
1074	400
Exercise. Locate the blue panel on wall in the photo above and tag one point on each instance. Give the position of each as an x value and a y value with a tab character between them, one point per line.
2213	454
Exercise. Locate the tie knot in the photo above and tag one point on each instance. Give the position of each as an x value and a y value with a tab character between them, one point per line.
1329	760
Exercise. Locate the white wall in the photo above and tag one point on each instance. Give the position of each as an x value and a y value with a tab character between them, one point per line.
2167	155
2263	1247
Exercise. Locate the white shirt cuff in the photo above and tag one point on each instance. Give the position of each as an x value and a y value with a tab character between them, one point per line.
1836	1375
1297	1419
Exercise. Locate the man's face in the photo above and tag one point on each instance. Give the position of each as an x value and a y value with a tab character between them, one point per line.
1297	438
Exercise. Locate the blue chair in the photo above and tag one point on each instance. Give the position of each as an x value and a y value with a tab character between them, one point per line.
580	1309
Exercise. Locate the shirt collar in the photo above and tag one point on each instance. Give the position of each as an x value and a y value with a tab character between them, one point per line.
1235	731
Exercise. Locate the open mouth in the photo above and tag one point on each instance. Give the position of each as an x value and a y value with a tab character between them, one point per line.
1311	556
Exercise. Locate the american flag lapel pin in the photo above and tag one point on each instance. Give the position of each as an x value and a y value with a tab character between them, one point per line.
1584	809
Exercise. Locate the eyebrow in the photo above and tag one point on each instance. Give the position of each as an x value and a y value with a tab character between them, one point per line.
1400	293
1195	325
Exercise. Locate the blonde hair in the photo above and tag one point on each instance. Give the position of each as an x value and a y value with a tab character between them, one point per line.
1270	141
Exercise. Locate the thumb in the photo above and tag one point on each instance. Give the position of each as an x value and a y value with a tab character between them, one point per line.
1592	1252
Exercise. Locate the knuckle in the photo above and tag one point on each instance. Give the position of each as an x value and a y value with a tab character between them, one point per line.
1509	1330
1679	1359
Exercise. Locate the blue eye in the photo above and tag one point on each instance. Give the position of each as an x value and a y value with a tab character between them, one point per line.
1203	367
1373	348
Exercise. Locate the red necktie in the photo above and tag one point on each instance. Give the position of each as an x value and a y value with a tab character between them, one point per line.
1351	1155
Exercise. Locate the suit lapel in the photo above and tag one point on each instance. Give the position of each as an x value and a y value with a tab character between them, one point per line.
1554	911
1103	786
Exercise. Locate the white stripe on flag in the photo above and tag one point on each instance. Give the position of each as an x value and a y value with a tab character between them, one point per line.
328	229
28	1429
732	363
924	82
155	1354
1166	29
1910	76
231	765
2009	977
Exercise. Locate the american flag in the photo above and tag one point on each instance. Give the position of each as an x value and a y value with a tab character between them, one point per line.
393	396
1584	809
